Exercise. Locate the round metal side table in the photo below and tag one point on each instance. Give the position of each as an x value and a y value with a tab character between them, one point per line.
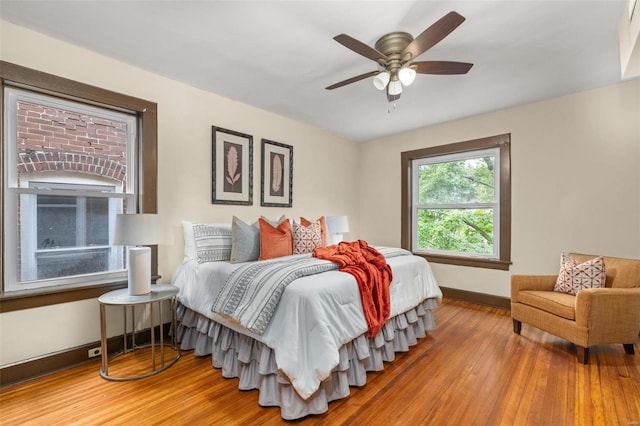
159	293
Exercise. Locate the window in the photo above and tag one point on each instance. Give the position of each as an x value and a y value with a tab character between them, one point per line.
70	170
74	156
456	202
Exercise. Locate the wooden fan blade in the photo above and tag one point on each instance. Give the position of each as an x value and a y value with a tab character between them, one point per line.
432	35
360	48
352	80
442	67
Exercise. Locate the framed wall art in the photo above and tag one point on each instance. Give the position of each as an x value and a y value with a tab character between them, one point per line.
276	185
232	167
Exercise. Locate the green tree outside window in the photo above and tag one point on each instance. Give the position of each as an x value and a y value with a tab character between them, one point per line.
453	214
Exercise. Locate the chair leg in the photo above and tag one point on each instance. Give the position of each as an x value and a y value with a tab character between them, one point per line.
517	326
582	354
628	348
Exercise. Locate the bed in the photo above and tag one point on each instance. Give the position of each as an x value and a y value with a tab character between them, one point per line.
315	345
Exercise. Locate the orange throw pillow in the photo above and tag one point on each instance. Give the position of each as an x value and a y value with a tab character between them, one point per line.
323	227
275	242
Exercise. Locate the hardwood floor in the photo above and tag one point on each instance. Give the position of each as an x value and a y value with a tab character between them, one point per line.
471	370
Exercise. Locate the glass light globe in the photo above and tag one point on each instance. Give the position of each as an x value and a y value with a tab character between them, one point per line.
406	75
395	87
380	81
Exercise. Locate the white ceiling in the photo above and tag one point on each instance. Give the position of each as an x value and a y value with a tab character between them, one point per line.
280	55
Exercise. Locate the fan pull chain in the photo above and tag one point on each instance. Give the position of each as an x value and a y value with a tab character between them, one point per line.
392	106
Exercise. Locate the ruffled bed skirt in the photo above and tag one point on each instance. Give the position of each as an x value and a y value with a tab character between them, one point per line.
254	363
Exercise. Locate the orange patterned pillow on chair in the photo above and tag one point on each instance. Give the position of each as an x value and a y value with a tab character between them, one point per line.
575	276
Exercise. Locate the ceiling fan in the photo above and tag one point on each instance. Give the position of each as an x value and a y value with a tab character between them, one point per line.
395	53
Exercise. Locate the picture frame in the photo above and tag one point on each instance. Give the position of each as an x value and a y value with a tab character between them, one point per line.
276	183
231	167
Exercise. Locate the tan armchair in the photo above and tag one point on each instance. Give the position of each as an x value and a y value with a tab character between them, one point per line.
595	316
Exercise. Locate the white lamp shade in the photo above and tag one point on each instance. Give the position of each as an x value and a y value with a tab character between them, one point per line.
406	75
380	81
136	230
395	87
337	224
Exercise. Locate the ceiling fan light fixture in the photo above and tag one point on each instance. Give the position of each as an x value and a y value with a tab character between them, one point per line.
381	80
394	53
406	75
395	87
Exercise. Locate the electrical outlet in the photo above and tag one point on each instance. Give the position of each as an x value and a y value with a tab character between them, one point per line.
93	352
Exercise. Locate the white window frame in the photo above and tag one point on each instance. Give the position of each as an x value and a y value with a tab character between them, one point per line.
13	191
495	205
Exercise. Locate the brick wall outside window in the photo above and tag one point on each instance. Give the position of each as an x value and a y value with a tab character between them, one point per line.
51	139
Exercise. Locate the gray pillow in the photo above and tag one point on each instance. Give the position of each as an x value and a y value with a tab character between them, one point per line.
246	241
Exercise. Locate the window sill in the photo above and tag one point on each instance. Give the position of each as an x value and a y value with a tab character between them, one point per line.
467	261
27	299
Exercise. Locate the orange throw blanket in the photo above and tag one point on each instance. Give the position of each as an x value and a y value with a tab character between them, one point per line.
372	273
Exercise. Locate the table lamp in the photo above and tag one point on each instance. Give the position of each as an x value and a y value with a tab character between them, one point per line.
336	226
134	231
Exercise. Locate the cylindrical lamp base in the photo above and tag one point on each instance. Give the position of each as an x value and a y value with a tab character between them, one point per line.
139	264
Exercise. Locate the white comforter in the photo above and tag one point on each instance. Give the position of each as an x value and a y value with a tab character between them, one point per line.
316	315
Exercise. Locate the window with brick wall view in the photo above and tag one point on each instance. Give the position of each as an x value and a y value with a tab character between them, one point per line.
69	171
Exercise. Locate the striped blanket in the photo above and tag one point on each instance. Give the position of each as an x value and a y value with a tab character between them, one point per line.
251	293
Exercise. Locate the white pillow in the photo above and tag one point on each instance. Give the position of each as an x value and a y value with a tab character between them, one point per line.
190	252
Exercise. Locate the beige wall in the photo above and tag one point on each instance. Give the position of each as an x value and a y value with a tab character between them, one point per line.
324	183
575	181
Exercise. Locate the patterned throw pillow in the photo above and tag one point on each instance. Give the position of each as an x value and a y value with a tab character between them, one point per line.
323	227
213	242
575	276
306	238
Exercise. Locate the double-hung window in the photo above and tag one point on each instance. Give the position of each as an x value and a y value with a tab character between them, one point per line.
457	202
73	156
70	168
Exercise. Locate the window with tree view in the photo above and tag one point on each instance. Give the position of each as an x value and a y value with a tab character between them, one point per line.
457	205
455	209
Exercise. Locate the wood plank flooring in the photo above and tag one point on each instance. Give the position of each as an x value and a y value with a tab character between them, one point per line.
471	370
